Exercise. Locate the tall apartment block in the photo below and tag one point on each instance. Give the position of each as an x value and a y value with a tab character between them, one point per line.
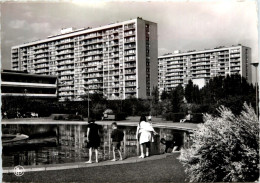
200	66
119	59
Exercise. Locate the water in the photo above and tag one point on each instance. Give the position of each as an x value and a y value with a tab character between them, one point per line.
55	144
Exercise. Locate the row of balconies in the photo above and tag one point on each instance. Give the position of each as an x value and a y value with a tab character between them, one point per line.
94	64
111	68
94	75
92	58
235	69
40	46
64	52
93	41
234	55
129	40
131	77
67	62
200	75
69	46
66	78
41	51
130	65
130	46
42	56
93	47
42	66
95	70
201	72
200	63
64	41
130	58
175	66
90	53
129	33
130	52
65	68
68	88
129	27
66	93
199	68
66	57
41	71
67	73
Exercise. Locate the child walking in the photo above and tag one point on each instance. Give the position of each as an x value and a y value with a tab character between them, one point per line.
117	136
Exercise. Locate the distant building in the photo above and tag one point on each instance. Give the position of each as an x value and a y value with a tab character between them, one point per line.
120	60
15	83
200	66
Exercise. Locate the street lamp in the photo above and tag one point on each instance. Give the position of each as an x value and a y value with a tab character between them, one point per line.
88	98
255	64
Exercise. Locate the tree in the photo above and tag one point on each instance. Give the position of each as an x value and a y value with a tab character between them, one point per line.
176	98
225	148
164	95
188	91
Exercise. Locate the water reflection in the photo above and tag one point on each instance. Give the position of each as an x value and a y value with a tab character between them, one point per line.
53	144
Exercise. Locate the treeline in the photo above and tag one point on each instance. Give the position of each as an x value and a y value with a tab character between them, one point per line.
230	91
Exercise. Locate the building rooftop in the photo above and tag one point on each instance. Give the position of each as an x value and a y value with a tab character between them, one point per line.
74	32
179	53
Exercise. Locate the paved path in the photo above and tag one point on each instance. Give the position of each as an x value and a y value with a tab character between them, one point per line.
162	168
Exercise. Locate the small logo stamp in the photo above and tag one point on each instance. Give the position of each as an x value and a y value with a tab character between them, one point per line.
19	170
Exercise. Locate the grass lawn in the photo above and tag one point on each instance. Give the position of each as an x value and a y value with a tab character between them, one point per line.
163	170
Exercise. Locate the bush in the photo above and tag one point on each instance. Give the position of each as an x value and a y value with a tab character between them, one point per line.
59	117
197	118
74	117
120	116
175	117
225	148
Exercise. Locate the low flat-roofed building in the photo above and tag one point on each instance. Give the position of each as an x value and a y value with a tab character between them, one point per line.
19	83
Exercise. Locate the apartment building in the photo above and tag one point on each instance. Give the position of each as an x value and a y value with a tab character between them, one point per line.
18	83
200	66
120	60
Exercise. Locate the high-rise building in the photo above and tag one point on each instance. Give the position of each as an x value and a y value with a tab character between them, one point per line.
120	60
200	66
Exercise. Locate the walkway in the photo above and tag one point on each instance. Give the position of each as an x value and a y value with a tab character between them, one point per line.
160	168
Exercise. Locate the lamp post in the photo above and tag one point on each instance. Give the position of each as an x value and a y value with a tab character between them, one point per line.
255	64
88	98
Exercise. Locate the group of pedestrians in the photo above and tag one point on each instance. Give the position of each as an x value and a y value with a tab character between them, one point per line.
144	135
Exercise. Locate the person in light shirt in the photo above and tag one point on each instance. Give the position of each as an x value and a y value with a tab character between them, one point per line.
144	132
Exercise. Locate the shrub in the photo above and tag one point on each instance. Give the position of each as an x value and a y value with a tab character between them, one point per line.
197	118
74	117
225	148
59	117
175	117
120	116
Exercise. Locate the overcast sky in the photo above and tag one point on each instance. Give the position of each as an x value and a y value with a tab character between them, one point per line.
181	25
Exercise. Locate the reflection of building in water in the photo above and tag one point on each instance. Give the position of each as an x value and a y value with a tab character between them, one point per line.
70	145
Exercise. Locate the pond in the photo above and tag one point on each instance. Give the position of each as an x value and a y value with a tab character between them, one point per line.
64	143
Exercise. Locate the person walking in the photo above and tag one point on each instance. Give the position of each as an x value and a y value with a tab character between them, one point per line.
144	130
93	139
117	136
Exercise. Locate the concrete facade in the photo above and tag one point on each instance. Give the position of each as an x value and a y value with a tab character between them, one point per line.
119	60
17	84
200	66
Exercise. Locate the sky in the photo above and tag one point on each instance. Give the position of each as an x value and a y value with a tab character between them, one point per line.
190	25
